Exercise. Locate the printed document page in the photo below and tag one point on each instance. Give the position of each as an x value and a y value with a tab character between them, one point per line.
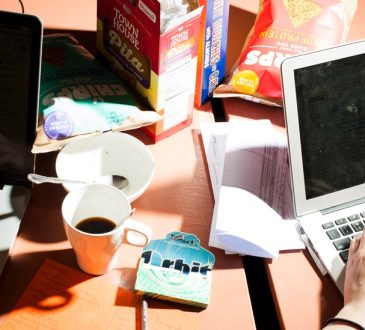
248	165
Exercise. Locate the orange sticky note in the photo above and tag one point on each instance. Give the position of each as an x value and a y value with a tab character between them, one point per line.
61	297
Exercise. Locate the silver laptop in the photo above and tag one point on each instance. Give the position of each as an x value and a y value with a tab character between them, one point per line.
20	57
324	102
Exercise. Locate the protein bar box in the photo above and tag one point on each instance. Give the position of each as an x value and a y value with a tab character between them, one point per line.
212	48
155	51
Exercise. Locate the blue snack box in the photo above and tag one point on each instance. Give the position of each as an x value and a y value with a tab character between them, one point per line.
212	48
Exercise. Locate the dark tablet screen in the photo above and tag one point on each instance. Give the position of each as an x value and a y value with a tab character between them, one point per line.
331	110
20	53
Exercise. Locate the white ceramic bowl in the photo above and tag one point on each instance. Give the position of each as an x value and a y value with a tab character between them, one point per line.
104	154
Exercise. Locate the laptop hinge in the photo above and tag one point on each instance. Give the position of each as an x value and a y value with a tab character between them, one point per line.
342	206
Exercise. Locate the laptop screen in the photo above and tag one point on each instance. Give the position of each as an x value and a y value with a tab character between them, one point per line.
20	44
331	113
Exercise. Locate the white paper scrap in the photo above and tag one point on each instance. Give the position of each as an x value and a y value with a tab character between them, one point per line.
247	225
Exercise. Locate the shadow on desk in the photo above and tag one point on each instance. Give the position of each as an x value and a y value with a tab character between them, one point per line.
21	265
237	107
86	38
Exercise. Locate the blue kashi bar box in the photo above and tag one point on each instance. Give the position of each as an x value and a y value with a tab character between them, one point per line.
177	269
212	48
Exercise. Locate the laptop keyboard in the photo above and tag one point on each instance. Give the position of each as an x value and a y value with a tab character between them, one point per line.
341	232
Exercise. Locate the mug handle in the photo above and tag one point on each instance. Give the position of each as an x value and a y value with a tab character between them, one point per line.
137	233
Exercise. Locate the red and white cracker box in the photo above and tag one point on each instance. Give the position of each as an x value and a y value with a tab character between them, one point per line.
161	67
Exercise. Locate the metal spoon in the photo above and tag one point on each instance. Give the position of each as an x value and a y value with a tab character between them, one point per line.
117	181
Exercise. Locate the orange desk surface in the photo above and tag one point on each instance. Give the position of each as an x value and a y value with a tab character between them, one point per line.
179	198
79	14
62	14
304	299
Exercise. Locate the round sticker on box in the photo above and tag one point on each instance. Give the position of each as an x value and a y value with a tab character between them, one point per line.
58	125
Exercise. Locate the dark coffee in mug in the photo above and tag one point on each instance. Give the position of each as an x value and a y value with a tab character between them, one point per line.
96	225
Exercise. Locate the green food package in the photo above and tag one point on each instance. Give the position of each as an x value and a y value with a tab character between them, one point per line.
176	268
79	96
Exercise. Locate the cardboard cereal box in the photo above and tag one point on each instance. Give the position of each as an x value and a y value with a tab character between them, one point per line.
212	48
159	61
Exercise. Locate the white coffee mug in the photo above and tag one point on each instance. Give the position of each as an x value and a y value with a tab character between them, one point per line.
97	252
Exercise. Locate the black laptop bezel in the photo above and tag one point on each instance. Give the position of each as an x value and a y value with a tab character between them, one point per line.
35	25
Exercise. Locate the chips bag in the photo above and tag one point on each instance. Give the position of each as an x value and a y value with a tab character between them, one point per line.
284	28
80	97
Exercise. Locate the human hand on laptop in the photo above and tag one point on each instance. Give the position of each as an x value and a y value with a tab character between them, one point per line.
352	315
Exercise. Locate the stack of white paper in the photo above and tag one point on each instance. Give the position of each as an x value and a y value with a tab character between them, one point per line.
249	171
